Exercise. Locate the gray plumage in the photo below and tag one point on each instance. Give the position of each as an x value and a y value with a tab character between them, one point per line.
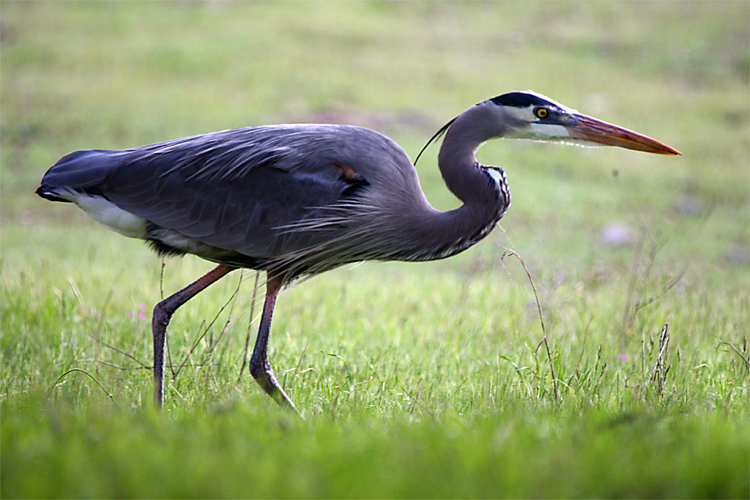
293	198
298	200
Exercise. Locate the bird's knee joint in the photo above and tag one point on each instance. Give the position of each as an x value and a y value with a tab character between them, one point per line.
259	370
163	312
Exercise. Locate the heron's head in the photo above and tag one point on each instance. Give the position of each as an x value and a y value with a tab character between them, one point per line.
528	115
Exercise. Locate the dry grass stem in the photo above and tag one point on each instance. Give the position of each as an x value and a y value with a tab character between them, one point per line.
541	318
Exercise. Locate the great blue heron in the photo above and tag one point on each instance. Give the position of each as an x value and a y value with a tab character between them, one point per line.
297	200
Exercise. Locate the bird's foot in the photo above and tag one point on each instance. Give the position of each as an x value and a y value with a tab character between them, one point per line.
271	386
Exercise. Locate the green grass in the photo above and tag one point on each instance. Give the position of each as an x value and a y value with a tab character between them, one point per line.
249	452
416	380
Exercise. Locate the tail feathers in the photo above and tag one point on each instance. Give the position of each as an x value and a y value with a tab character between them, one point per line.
79	172
50	195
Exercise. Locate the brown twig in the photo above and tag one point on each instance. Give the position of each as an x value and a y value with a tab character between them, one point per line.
205	329
102	315
128	368
541	317
144	365
747	362
552	368
637	306
659	365
418	403
80	370
224	330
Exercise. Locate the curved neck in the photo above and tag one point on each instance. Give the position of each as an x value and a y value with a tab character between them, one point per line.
457	159
431	234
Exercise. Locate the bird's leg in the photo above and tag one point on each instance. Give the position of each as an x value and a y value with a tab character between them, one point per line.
260	367
163	313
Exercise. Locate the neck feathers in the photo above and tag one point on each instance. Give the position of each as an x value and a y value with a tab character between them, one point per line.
483	190
457	158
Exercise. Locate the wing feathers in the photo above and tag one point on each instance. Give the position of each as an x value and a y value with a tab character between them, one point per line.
234	190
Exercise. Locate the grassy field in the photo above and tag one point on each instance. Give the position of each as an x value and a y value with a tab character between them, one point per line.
416	380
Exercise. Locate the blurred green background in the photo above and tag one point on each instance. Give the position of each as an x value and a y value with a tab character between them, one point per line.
117	75
418	380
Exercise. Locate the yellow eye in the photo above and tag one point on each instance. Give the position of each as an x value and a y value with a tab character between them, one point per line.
541	112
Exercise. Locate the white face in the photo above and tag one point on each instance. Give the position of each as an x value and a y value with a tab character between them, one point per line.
544	122
526	115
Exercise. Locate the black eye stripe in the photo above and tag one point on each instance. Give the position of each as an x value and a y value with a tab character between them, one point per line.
519	100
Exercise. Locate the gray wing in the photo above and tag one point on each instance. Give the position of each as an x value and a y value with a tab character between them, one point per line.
237	189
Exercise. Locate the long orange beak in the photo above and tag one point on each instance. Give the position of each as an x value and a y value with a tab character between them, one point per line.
591	129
